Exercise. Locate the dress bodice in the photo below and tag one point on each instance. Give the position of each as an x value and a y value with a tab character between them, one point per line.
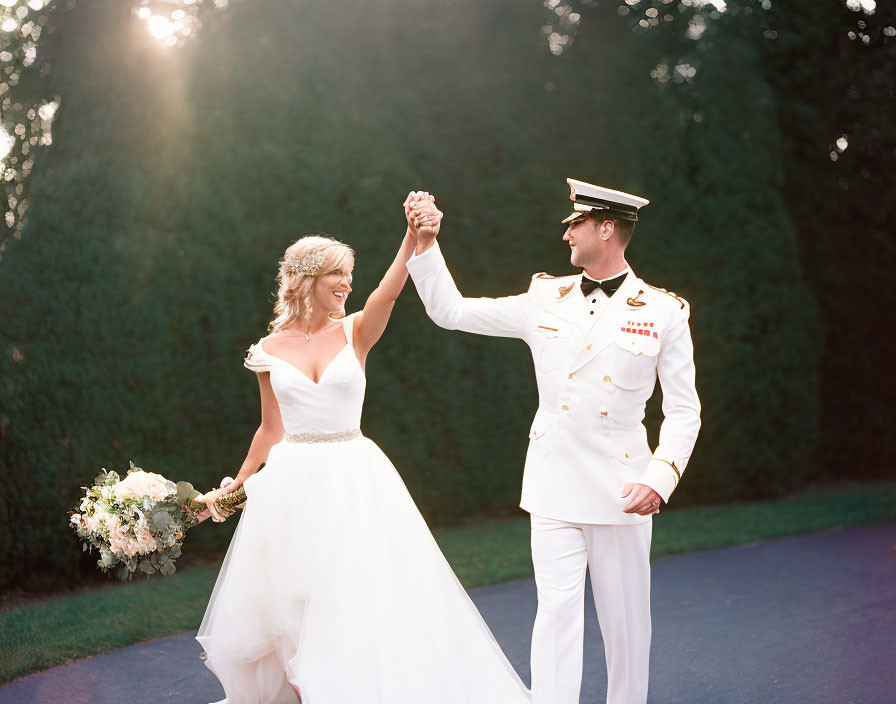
331	405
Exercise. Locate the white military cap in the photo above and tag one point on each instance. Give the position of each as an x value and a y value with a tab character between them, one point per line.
587	197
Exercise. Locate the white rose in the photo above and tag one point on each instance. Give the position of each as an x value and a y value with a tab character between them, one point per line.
93	524
76	519
142	484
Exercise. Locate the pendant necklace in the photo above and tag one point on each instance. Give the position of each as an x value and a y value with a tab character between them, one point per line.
305	333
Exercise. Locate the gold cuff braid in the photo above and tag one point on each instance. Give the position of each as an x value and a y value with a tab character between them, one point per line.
674	469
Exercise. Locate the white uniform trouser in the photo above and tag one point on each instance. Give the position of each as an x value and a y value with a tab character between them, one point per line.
618	559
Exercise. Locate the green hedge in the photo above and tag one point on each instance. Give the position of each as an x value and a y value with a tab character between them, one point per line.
177	178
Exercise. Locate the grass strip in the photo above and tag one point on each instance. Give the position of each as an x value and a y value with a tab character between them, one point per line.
43	635
499	552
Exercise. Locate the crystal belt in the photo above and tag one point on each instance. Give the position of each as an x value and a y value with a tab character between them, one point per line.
341	436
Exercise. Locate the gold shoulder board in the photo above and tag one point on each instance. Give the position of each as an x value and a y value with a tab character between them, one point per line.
668	293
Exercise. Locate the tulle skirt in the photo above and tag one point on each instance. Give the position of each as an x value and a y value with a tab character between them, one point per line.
334	583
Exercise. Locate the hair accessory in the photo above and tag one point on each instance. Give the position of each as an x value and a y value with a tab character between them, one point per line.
309	265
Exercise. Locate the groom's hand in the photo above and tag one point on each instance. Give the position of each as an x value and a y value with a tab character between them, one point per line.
644	500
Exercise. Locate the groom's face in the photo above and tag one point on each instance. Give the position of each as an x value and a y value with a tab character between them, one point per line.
584	242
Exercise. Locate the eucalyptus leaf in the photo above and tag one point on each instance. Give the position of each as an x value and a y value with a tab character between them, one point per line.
186	492
161	520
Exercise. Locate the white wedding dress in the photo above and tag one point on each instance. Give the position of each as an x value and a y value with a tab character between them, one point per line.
332	578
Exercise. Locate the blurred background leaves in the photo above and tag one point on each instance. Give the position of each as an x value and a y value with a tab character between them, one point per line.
180	170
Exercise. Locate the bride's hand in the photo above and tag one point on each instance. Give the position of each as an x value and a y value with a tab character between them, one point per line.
202	515
408	202
228	486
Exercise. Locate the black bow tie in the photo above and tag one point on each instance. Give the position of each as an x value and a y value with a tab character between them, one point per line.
609	287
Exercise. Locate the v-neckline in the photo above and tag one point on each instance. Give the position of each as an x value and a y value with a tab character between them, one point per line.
322	374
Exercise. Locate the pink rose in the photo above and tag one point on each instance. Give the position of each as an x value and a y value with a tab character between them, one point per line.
121	543
145	540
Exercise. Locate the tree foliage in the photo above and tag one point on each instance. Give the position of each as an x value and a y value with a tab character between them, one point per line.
177	179
828	67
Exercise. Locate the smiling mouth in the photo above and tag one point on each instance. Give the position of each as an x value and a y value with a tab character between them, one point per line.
340	294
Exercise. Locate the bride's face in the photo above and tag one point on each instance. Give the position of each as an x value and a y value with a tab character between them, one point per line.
332	288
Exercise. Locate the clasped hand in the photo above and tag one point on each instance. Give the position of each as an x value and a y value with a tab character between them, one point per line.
424	218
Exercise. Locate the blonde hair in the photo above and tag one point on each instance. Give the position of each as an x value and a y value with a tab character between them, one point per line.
295	285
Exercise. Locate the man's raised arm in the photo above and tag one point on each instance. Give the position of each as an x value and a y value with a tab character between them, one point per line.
499	317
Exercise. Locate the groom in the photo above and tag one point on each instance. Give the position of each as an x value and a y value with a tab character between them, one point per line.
599	340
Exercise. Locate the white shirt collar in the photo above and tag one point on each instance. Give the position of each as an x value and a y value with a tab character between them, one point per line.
608	278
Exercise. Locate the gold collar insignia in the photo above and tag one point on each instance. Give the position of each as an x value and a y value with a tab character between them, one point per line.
564	290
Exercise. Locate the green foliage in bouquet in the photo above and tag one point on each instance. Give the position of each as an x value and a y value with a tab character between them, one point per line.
136	523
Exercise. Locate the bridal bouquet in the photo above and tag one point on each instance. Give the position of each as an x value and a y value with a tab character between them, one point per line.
139	522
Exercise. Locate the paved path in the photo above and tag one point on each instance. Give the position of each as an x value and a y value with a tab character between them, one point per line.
806	620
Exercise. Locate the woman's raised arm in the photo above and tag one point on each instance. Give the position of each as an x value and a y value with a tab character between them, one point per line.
372	322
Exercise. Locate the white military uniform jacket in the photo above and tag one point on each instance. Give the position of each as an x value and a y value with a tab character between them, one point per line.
596	364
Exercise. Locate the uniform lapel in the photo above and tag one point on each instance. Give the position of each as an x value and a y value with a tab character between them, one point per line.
569	305
603	330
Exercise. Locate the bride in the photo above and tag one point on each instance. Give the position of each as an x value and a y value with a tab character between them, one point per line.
333	590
